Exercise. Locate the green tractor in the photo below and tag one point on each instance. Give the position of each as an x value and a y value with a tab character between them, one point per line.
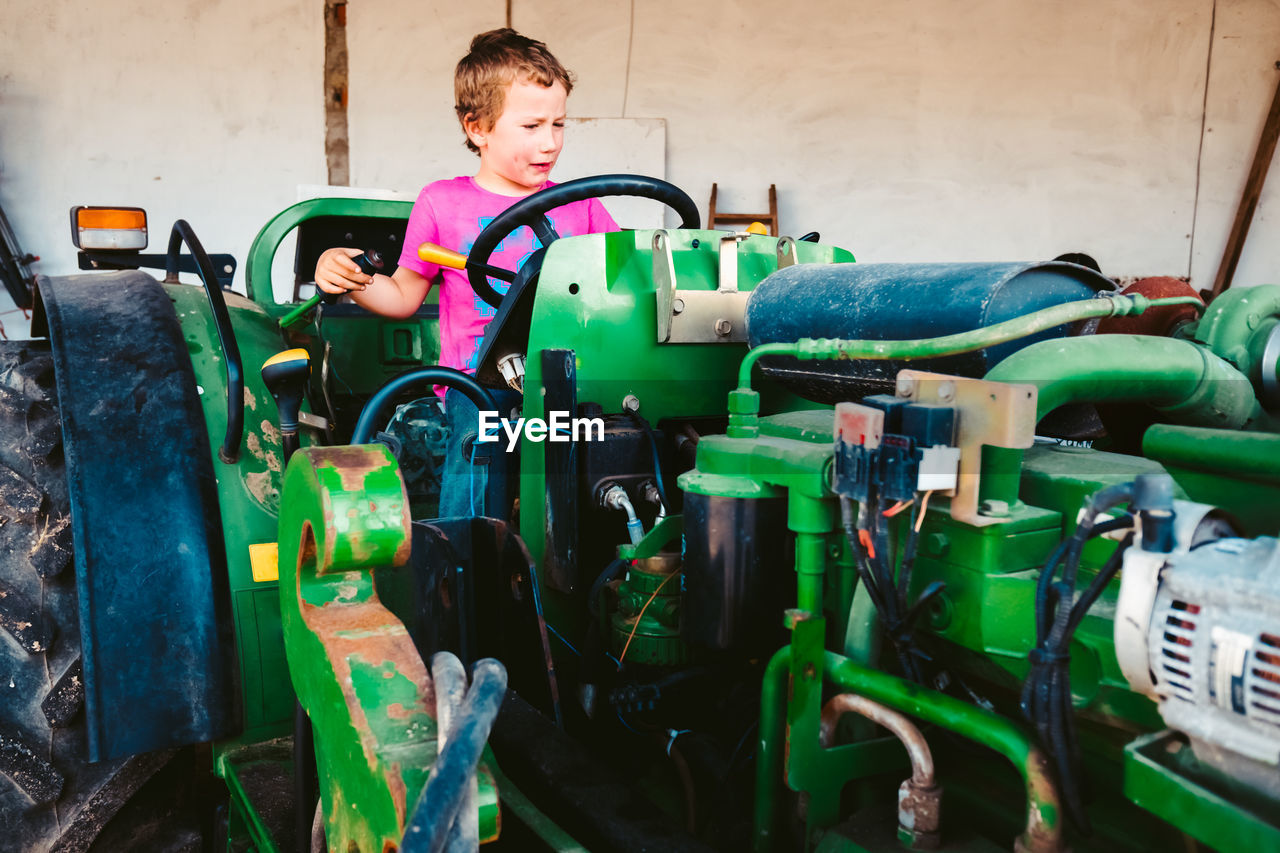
780	552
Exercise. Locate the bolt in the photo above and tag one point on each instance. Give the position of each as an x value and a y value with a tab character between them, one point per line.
723	327
947	391
631	403
994	509
677	306
906	388
940	611
936	544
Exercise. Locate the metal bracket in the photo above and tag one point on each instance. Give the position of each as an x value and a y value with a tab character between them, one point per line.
316	422
664	282
786	252
700	316
996	413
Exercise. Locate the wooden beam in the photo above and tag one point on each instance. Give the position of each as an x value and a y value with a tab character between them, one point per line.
1252	192
337	146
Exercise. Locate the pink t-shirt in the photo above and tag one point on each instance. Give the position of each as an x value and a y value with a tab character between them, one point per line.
452	214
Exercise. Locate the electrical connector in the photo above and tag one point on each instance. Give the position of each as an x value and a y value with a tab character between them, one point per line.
939	469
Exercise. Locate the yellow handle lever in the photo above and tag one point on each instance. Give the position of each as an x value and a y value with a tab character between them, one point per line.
439	255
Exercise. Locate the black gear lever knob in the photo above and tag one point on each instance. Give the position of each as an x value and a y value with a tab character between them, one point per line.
285	374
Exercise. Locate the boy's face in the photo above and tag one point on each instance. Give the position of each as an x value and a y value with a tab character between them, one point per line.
519	151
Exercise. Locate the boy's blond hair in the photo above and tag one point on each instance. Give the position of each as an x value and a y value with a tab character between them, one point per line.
496	59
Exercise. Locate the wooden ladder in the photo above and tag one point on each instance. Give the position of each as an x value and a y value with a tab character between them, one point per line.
770	219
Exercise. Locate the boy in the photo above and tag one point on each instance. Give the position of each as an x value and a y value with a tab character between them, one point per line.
510	97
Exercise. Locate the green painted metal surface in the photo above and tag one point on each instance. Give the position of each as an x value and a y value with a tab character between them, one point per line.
1157	777
1236	324
596	296
797	673
262	252
366	349
1239	471
1185	381
248	495
646	624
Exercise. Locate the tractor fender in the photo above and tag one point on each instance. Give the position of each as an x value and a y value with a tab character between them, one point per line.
151	569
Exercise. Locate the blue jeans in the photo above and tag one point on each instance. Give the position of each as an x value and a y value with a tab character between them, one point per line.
477	475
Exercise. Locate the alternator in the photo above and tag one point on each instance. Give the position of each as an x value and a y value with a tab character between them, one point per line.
1211	654
1215	653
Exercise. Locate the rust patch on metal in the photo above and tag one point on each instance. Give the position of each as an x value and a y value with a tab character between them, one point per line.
406	547
353	465
1041	836
1158	321
920	814
329	622
259	486
399	793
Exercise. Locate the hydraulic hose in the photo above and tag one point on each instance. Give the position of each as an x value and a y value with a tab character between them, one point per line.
229	452
449	678
1044	825
919	797
902	728
1044	831
962	342
447	376
442	798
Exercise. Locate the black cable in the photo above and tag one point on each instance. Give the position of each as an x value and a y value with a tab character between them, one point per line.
876	574
1099	583
657	461
1046	693
908	557
610	572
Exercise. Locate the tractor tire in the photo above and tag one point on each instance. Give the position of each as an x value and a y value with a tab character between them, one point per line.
51	797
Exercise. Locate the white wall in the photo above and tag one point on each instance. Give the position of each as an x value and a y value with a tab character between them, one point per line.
931	130
1242	82
189	108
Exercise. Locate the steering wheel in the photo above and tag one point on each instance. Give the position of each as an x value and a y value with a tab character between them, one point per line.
531	211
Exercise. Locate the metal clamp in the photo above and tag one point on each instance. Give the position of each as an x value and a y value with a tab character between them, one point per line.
699	316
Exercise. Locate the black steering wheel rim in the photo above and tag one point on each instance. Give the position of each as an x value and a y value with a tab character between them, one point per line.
531	211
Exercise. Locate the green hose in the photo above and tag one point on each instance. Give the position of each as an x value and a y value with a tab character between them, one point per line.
962	342
1186	381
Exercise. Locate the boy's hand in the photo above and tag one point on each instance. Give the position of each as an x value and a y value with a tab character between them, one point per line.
337	273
